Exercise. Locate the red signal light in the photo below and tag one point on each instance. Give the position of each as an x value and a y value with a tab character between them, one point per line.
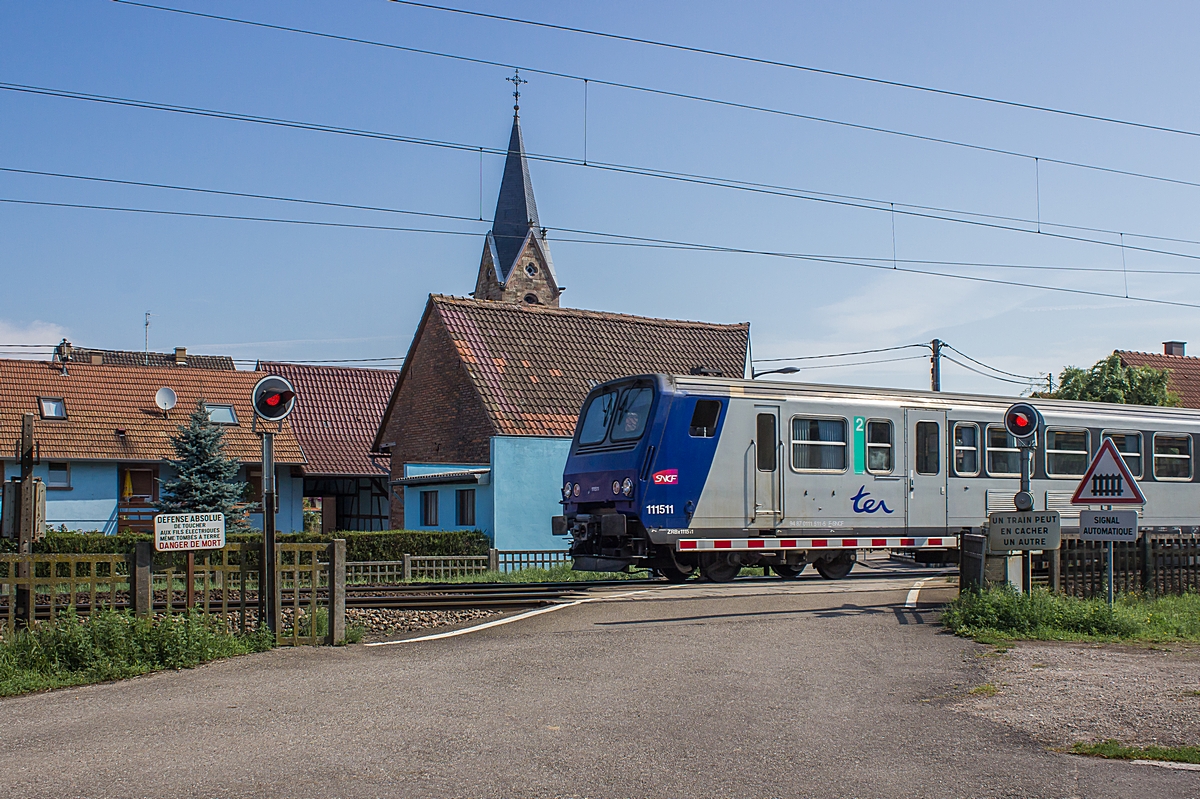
1022	421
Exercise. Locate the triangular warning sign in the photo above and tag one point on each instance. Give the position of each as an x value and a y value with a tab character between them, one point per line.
1108	481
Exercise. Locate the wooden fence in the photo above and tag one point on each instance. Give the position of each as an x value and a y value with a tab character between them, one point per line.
1154	564
448	567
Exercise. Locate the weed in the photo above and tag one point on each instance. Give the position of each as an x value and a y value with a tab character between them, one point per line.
987	689
355	633
1117	750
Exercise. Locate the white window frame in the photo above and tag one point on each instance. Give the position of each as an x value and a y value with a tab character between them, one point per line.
1047	452
209	406
62	403
58	486
1139	472
890	446
955	448
792	442
988	449
1155	455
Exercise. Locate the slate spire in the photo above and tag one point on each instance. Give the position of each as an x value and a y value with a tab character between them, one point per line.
516	210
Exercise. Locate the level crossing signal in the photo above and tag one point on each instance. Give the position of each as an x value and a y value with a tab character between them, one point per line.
1021	421
1108	480
273	398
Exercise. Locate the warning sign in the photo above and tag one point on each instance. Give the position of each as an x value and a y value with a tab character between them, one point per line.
178	532
1108	481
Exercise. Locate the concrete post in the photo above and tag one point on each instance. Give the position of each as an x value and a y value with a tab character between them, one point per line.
1055	570
407	567
141	593
337	592
494	560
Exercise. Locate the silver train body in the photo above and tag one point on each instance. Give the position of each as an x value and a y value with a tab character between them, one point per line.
782	474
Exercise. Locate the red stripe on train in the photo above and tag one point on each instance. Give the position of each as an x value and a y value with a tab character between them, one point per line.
687	544
722	544
879	542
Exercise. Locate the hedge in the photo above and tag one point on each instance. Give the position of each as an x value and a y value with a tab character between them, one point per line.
360	545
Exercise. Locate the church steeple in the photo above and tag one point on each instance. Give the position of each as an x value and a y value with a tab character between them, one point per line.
516	264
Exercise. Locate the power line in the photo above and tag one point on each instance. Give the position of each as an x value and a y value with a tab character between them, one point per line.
841	354
804	68
668	93
863	363
985	374
987	366
636	242
849	201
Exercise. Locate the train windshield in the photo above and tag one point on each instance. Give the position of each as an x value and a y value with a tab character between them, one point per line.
616	415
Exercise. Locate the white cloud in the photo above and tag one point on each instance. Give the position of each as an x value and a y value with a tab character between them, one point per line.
16	338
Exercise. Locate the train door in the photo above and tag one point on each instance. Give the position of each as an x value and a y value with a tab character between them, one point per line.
767	468
924	435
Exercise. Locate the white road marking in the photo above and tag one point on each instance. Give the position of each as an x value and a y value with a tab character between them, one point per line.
911	601
1169	764
510	619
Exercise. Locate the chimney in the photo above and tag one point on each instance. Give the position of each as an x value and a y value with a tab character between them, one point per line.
181	356
97	359
1174	347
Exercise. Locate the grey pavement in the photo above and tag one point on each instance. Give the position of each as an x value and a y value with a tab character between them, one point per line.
762	689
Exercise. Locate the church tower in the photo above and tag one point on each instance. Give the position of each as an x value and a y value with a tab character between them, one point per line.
516	265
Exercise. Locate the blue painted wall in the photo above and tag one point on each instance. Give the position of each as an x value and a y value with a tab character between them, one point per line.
447	499
290	518
527	474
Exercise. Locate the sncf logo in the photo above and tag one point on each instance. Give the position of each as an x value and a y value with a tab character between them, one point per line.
667	477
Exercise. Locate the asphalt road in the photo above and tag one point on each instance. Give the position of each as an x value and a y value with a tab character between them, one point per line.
767	689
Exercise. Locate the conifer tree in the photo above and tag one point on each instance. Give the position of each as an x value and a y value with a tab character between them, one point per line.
205	478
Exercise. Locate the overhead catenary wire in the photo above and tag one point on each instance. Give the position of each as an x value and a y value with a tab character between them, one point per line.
974	218
987	366
633	242
806	68
992	376
842	354
665	93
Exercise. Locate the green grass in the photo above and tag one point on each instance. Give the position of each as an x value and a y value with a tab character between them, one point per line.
1001	614
1117	750
113	645
987	689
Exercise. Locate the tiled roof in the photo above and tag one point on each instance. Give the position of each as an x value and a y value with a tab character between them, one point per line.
1185	372
337	412
131	358
103	399
533	366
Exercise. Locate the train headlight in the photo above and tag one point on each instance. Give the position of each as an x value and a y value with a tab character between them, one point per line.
567	489
575	490
626	487
616	486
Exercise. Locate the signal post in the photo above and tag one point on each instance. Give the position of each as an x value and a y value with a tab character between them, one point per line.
273	399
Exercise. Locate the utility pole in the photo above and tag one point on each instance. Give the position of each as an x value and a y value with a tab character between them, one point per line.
935	364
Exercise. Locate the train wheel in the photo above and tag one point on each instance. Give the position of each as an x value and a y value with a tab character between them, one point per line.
788	572
837	568
674	575
718	568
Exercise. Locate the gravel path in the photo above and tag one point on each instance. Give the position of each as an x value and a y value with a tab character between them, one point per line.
379	622
1064	693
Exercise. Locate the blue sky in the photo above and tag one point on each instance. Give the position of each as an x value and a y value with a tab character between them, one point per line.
252	289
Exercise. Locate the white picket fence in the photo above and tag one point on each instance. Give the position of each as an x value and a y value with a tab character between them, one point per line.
446	567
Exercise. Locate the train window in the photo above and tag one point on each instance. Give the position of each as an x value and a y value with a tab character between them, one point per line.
1003	457
632	412
928	448
704	419
879	446
1130	447
766	442
966	449
596	417
1172	456
1066	452
819	445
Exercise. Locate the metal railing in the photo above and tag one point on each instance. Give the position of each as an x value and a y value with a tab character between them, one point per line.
448	567
1158	564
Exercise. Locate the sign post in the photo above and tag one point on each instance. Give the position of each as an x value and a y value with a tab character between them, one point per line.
1108	482
273	399
188	532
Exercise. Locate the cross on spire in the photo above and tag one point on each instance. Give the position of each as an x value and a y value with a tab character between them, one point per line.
516	80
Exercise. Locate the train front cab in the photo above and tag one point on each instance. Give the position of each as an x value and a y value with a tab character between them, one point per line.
639	448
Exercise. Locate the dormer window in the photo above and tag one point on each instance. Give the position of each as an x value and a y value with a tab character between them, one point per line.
531	269
53	407
221	414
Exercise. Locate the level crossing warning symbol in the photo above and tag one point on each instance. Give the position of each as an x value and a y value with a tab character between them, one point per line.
1108	481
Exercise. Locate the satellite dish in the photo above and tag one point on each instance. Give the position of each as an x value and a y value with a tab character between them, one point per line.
165	398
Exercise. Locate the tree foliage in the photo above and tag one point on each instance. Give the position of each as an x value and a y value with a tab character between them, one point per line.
1109	380
206	480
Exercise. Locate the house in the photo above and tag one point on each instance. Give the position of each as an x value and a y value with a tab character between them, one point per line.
335	419
102	442
481	417
1184	370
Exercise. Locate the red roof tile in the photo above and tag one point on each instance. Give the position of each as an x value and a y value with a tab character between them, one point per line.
337	413
533	365
100	400
1185	372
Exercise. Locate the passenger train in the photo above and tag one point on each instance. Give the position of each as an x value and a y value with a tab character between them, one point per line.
681	473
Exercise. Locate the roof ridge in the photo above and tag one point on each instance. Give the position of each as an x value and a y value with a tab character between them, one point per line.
582	312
